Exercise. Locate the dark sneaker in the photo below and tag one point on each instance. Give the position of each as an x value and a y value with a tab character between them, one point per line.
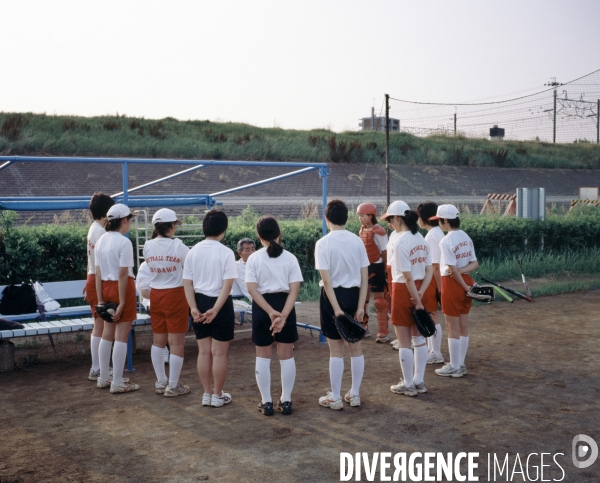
266	408
285	407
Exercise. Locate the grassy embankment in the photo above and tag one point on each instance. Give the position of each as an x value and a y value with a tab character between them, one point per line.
41	134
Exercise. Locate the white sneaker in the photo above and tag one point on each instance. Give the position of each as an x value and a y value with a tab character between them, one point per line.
159	387
328	402
435	358
401	388
206	399
123	387
218	401
449	371
354	401
463	369
421	389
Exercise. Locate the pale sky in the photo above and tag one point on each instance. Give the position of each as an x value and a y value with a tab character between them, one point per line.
297	65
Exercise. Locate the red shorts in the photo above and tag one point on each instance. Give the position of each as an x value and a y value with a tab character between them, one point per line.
169	310
110	293
454	299
402	306
429	301
90	293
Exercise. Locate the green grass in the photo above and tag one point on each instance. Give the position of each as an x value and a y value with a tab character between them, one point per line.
112	136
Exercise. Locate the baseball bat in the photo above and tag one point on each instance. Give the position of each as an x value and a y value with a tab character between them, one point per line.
504	294
524	281
506	289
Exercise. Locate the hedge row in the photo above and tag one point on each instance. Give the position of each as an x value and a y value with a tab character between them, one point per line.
57	252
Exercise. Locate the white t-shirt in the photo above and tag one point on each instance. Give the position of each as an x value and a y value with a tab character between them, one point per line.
343	254
207	265
273	275
457	249
239	285
411	254
94	234
142	282
165	257
112	252
434	237
390	246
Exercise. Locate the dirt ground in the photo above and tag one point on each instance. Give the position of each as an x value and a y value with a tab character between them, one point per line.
533	384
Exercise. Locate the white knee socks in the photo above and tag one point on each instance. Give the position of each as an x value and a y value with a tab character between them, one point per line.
436	340
263	378
464	345
420	363
158	362
175	365
288	377
336	372
407	365
118	359
94	344
454	349
104	358
357	365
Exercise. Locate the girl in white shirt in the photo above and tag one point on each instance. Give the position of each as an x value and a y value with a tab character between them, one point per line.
273	278
165	257
115	283
411	274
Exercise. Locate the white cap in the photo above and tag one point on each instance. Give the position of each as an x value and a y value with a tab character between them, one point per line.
165	215
447	212
398	208
118	211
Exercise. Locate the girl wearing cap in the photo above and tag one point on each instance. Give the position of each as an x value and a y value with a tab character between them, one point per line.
411	274
165	257
456	262
273	277
432	295
375	240
115	283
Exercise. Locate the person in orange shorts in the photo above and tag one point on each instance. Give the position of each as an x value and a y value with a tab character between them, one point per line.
165	257
115	283
457	261
411	275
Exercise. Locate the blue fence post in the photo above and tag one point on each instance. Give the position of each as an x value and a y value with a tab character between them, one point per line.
125	171
323	173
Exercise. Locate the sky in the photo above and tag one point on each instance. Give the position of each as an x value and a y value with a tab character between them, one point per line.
294	65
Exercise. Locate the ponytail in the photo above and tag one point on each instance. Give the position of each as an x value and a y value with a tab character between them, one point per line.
268	230
410	218
161	229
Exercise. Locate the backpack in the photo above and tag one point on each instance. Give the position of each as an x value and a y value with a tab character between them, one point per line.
18	299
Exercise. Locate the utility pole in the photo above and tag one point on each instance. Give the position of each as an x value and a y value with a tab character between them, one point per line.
387	149
554	84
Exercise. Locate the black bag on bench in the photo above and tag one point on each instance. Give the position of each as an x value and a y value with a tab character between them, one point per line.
18	300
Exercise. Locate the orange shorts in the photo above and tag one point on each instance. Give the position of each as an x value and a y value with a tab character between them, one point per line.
429	301
110	293
454	299
402	306
169	310
90	293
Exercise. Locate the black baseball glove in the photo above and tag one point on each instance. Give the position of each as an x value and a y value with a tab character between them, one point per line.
106	311
424	322
350	329
482	293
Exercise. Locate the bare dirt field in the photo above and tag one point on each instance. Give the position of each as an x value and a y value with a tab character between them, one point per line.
533	384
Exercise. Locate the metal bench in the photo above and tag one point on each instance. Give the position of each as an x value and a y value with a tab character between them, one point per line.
64	319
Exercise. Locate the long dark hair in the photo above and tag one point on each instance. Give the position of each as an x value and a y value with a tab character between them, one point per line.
410	217
115	224
162	229
268	229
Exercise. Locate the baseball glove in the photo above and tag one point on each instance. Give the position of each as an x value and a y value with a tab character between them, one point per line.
351	330
106	311
424	322
482	293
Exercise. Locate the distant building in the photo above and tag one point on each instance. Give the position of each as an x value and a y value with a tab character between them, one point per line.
377	123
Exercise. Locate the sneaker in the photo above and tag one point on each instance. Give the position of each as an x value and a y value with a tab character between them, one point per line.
94	375
206	399
266	408
159	387
382	339
123	387
166	355
285	407
449	371
463	369
354	401
400	388
328	402
218	401
435	358
421	389
104	383
178	390
395	345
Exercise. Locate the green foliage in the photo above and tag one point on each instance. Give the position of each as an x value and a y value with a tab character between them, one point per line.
119	135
